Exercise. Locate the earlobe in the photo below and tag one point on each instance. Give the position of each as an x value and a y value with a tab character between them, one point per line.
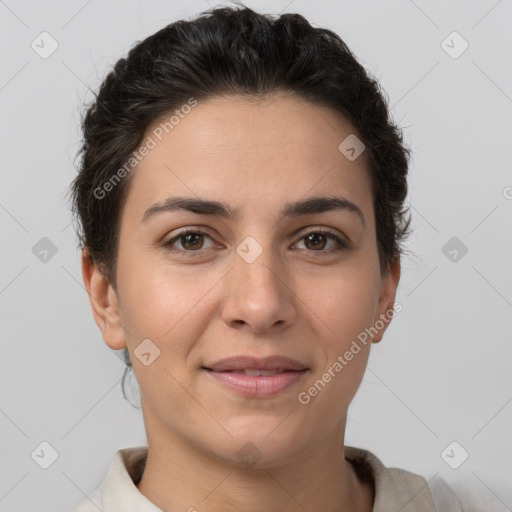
385	308
104	304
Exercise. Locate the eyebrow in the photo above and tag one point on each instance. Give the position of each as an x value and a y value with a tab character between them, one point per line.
308	206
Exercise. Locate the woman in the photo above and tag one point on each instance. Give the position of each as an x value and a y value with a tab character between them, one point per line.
241	203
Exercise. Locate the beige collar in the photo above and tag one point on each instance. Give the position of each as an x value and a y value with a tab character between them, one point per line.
395	489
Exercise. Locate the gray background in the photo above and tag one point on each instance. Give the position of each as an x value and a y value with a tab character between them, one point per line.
442	372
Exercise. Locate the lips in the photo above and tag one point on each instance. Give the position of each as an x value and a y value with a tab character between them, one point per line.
257	378
255	373
276	364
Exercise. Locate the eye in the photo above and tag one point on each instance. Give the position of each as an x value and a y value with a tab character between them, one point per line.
191	241
317	240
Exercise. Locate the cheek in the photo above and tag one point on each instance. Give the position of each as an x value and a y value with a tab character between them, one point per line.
344	301
162	304
171	310
346	307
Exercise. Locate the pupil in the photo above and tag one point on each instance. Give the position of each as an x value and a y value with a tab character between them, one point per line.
313	235
194	238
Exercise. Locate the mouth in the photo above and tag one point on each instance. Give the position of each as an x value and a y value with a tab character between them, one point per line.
253	373
248	363
256	383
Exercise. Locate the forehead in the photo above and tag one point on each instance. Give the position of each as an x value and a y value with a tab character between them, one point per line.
262	152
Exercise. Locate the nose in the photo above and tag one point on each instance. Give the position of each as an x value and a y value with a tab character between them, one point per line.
259	296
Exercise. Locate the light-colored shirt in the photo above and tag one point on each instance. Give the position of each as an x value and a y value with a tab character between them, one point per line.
395	489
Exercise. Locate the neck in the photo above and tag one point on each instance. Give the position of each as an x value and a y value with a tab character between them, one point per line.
179	476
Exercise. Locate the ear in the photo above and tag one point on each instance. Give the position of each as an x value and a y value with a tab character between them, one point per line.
104	304
385	307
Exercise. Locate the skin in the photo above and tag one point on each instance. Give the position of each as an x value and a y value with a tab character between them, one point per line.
297	299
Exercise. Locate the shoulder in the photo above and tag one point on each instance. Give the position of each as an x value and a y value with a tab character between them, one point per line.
410	492
468	497
395	489
118	490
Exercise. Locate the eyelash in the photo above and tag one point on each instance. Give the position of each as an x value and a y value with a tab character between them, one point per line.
342	245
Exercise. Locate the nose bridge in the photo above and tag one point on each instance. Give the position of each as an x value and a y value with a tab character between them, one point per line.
257	267
258	295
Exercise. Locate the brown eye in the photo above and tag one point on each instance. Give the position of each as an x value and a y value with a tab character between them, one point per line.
190	241
317	241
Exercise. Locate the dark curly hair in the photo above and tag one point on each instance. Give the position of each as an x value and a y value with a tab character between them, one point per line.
241	52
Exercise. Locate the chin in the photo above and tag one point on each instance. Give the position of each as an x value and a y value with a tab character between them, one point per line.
264	443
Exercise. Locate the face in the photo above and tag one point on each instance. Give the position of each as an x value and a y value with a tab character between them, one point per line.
267	273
